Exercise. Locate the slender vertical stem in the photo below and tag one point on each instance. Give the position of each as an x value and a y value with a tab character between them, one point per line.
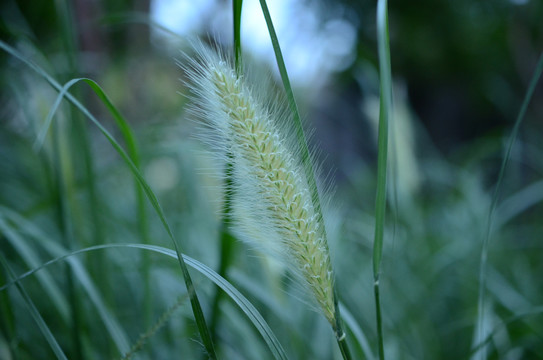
341	337
378	320
63	190
80	148
236	9
306	158
227	241
345	352
382	157
64	176
340	333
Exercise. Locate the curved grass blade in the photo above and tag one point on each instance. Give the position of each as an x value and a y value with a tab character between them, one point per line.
195	303
357	331
35	313
480	329
114	329
244	304
31	259
132	150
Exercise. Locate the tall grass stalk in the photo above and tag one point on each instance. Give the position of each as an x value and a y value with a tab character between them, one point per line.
481	331
65	193
305	156
385	105
80	147
227	240
65	151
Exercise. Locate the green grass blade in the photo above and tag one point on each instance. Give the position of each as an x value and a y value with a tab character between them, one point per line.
227	244
302	140
118	335
481	333
227	240
236	10
132	150
125	129
385	105
195	303
114	329
28	254
306	157
244	304
65	179
66	213
357	331
35	313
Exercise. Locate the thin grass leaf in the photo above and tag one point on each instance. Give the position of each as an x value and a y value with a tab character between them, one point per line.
481	316
306	158
357	331
114	329
31	259
302	139
35	313
227	240
195	303
132	150
385	107
244	304
63	186
69	34
236	10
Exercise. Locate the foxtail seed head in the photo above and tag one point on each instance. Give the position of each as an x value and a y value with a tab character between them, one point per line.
271	198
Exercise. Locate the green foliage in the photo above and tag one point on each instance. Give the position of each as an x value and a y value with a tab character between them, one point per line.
86	270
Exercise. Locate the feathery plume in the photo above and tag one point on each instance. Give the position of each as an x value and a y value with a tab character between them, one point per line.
271	199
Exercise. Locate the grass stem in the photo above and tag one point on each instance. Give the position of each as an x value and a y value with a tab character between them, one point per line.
227	240
378	320
385	106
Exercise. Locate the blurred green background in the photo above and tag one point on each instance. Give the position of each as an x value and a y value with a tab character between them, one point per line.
460	68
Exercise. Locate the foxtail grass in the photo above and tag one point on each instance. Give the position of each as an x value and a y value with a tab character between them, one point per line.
272	202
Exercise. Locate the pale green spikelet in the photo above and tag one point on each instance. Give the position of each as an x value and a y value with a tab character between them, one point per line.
271	198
